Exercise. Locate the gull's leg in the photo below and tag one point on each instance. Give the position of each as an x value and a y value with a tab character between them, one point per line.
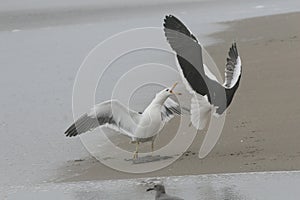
135	154
152	147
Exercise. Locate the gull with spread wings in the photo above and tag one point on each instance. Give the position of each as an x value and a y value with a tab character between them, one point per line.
140	127
209	96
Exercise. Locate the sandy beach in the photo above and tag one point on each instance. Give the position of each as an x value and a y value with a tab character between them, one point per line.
42	48
261	129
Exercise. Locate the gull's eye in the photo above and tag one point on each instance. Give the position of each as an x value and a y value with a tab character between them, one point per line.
167	90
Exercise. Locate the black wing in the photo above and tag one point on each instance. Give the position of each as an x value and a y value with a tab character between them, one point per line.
189	53
233	67
233	73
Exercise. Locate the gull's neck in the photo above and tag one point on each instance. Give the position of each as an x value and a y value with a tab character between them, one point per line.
159	99
157	102
159	194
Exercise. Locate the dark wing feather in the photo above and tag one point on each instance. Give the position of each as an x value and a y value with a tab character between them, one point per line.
189	53
81	125
169	108
233	73
233	67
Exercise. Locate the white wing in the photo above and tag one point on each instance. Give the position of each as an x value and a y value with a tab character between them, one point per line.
112	114
233	67
200	110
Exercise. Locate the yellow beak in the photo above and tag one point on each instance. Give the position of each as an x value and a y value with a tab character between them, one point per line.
172	88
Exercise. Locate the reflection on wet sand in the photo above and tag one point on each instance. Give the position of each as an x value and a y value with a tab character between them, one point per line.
244	186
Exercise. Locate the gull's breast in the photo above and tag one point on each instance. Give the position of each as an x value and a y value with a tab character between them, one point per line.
150	124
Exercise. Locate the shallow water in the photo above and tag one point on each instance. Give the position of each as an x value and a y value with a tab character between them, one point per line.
245	186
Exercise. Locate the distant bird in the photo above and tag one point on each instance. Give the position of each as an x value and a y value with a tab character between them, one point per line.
140	127
209	96
161	193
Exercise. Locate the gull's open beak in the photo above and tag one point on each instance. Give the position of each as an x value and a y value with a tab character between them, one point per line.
172	88
149	189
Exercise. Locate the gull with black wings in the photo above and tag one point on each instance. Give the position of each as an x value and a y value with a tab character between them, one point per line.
209	96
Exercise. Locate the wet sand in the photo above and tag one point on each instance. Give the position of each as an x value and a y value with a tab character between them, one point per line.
261	132
237	186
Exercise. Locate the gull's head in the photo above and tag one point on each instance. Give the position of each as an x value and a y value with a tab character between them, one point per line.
158	188
167	92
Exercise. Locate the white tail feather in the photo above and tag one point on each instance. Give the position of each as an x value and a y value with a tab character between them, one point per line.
200	110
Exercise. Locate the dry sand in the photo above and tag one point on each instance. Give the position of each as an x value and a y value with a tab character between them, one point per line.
261	132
